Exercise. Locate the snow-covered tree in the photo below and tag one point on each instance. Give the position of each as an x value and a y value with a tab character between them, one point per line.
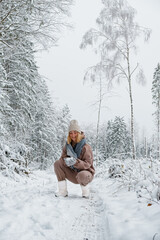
90	134
40	21
43	133
115	139
28	119
104	139
64	117
116	36
96	76
19	91
156	102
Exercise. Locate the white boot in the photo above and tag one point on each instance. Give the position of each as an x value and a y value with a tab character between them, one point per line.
62	187
85	191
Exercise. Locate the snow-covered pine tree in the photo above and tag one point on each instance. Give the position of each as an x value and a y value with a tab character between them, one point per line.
26	98
116	140
24	27
64	116
103	142
3	105
19	91
43	139
121	139
105	139
156	102
116	36
90	134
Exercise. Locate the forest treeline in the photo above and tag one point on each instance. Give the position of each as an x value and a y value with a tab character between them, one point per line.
31	125
33	129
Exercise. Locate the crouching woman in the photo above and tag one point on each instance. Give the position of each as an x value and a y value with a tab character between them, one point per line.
76	162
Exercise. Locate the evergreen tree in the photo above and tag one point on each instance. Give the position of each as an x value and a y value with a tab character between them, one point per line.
156	102
120	137
27	116
3	102
105	139
19	92
90	134
43	137
63	123
116	139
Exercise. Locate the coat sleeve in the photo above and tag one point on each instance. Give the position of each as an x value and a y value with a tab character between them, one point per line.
86	160
64	152
64	155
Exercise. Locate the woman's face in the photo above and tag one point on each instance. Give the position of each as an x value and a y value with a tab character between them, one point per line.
73	135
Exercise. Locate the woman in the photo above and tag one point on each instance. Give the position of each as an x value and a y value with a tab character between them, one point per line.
76	162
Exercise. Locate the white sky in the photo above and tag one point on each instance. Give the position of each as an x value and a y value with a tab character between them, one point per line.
65	65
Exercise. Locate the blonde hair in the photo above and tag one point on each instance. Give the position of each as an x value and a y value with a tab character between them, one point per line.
79	138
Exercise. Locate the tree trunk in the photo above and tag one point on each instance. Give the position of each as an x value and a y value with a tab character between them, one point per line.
131	105
146	147
158	129
98	121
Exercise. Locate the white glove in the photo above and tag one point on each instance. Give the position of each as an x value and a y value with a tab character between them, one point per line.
70	161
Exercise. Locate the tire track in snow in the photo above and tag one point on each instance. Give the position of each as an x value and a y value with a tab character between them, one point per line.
92	221
32	212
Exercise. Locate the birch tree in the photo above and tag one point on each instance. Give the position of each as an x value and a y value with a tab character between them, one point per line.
115	38
95	75
156	102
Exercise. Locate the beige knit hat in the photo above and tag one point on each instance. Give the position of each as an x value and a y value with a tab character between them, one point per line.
74	126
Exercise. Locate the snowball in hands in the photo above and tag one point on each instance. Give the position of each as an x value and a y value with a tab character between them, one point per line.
70	161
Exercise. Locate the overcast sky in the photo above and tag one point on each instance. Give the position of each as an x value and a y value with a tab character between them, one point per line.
64	67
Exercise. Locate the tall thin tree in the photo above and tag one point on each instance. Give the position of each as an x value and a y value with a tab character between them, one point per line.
156	102
95	74
116	36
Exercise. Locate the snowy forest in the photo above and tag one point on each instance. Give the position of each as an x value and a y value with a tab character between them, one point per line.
34	128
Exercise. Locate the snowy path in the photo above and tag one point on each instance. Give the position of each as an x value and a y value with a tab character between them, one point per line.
29	211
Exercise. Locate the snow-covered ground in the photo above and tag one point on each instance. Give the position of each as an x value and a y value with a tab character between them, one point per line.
30	211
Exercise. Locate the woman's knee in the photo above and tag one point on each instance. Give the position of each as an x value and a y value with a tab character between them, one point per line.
57	164
84	177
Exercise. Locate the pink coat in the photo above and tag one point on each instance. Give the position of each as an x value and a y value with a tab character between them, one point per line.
85	160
